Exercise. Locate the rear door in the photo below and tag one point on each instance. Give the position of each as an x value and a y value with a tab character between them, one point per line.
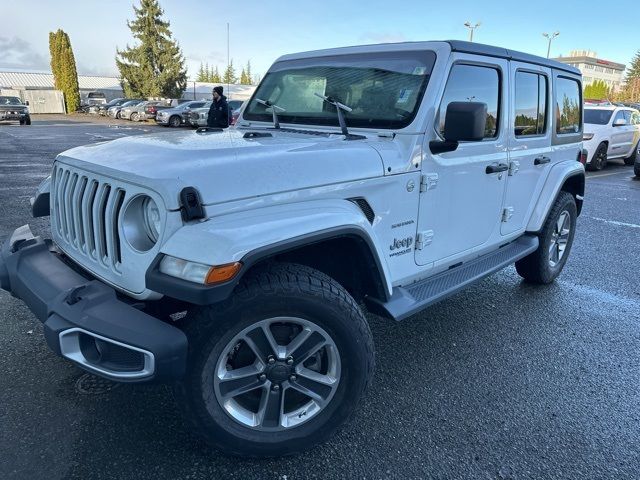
460	207
529	143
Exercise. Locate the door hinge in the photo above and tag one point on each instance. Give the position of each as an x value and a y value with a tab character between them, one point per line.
514	166
428	181
507	213
423	239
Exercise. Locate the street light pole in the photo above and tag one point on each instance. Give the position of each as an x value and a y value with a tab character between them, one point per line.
471	29
550	37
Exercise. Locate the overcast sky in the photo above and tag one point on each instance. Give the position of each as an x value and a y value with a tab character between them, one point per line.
263	30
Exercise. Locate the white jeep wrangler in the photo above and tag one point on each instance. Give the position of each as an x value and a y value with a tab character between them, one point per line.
389	176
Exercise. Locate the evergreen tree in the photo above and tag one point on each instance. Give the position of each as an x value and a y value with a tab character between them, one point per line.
634	70
631	90
248	71
215	76
598	90
229	76
155	66
207	73
244	80
202	75
63	67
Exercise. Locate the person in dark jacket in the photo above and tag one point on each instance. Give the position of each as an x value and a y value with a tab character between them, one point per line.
219	111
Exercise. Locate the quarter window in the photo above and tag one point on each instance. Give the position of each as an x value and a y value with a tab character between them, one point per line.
473	84
531	104
568	106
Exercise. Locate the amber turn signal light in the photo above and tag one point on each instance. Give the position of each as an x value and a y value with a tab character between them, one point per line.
222	273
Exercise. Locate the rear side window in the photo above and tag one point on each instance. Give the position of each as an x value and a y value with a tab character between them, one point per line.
568	106
531	104
473	83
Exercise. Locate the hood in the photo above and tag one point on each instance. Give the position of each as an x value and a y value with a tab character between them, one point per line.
225	166
595	128
13	107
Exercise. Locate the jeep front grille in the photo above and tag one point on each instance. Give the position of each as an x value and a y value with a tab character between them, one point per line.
85	216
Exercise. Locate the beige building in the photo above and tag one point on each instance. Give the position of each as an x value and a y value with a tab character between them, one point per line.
594	68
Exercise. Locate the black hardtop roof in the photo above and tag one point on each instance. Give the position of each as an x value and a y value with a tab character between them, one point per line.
491	51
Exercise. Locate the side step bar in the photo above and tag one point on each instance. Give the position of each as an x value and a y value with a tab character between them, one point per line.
411	299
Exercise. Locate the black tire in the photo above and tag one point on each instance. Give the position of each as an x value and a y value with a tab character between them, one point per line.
118	115
27	121
636	169
278	290
634	157
21	122
135	116
175	121
599	160
537	267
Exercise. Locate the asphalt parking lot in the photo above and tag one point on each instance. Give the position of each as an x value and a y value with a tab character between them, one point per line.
504	380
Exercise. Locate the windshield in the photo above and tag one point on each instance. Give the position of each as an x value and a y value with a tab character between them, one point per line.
10	101
597	117
383	89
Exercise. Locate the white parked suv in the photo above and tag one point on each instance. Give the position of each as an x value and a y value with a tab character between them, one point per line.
611	132
236	263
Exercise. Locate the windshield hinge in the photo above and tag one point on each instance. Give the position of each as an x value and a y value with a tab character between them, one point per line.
424	239
428	181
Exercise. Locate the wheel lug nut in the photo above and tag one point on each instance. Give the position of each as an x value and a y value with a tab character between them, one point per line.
262	377
293	378
276	388
271	359
289	360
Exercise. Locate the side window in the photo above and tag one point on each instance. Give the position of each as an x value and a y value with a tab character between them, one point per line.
568	106
619	116
473	84
627	116
635	118
530	104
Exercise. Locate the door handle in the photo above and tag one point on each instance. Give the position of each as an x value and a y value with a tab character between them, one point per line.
500	167
541	160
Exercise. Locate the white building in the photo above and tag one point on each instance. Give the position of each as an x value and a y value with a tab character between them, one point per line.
594	68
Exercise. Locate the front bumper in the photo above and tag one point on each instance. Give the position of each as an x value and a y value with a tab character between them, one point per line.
13	116
84	320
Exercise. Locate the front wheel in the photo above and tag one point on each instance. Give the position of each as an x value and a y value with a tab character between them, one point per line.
175	121
599	160
634	157
135	117
556	238
279	366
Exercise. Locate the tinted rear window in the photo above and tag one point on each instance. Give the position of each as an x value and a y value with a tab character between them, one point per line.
568	106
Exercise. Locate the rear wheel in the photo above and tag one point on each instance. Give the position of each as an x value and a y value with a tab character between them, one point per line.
278	367
599	160
634	157
556	238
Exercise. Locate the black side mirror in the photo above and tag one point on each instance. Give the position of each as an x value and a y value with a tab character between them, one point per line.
27	103
464	122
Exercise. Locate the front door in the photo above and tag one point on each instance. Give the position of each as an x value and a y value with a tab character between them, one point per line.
621	135
460	208
530	155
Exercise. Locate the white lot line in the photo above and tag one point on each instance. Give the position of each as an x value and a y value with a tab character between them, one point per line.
607	175
617	224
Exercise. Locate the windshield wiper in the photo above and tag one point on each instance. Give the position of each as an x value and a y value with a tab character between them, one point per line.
273	107
339	108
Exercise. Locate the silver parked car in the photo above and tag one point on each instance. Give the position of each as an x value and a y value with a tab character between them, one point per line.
198	117
136	113
115	111
176	116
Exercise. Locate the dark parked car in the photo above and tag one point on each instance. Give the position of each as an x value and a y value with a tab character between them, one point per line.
102	109
13	110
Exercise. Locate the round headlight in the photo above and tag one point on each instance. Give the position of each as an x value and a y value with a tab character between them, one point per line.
151	214
142	223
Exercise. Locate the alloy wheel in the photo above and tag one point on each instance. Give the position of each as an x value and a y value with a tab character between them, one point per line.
277	374
559	238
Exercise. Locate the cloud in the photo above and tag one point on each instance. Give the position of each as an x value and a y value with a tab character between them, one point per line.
383	37
18	53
